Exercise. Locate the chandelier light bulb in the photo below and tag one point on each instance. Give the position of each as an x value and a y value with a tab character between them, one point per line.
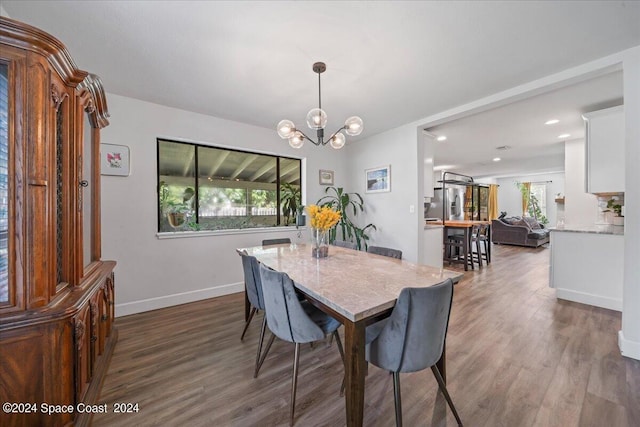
353	126
296	140
337	141
286	128
316	118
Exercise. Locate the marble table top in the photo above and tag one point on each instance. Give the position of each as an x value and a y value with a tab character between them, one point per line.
356	284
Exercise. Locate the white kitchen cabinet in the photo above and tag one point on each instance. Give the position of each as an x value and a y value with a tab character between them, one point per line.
604	157
587	266
432	246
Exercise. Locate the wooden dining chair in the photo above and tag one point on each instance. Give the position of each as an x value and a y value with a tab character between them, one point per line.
380	250
292	320
412	338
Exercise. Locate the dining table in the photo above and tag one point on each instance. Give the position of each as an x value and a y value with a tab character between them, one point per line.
466	226
356	288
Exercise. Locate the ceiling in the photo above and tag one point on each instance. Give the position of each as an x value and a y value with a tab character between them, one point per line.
389	62
472	142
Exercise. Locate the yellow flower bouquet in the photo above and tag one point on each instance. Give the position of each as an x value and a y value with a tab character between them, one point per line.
322	219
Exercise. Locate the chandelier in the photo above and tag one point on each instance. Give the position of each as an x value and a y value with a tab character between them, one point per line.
317	119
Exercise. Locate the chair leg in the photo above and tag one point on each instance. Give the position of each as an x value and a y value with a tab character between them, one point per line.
262	331
443	389
296	358
396	397
479	249
264	356
246	325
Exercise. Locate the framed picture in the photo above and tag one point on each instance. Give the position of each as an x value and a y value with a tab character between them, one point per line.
378	179
114	160
326	177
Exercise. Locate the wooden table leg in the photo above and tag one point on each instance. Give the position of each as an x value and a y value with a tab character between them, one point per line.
354	352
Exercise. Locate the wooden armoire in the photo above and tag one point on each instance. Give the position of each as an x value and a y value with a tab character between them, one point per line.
56	294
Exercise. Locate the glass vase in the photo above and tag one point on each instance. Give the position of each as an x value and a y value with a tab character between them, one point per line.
319	243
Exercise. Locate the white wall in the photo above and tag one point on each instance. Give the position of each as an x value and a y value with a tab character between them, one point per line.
510	198
396	226
154	273
580	208
630	334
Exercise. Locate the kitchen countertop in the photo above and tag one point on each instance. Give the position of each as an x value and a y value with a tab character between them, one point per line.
615	230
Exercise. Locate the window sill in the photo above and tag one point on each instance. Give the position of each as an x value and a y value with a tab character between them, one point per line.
204	233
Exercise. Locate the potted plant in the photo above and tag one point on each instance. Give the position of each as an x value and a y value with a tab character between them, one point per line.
290	199
175	210
616	208
344	203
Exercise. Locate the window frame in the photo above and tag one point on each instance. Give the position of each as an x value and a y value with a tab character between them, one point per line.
196	186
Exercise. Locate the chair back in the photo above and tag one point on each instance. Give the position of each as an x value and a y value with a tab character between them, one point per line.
269	242
252	280
413	337
379	250
483	232
344	244
285	316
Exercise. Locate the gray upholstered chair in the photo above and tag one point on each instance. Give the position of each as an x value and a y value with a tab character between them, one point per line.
293	321
379	250
412	338
253	288
269	242
344	244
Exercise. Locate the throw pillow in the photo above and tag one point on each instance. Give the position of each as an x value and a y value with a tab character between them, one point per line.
523	223
532	223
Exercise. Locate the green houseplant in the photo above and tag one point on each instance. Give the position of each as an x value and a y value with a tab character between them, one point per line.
347	203
290	199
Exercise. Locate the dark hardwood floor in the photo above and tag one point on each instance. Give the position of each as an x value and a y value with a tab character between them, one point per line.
515	357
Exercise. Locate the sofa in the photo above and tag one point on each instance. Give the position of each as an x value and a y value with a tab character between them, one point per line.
519	231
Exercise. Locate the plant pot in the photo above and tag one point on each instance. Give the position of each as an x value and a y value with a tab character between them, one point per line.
618	220
176	219
301	220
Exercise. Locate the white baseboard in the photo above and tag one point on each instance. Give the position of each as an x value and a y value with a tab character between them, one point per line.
628	348
590	299
176	299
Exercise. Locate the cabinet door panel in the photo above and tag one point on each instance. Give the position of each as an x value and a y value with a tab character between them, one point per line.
605	151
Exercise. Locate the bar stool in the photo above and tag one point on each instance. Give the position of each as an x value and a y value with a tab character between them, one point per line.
480	236
456	242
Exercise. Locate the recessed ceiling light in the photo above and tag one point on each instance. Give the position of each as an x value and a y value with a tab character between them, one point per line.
496	159
503	147
564	135
551	122
441	138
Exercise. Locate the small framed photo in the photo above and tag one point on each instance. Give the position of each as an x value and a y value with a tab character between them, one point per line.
326	177
378	179
114	160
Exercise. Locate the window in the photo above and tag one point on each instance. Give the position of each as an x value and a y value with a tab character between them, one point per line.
210	188
538	201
